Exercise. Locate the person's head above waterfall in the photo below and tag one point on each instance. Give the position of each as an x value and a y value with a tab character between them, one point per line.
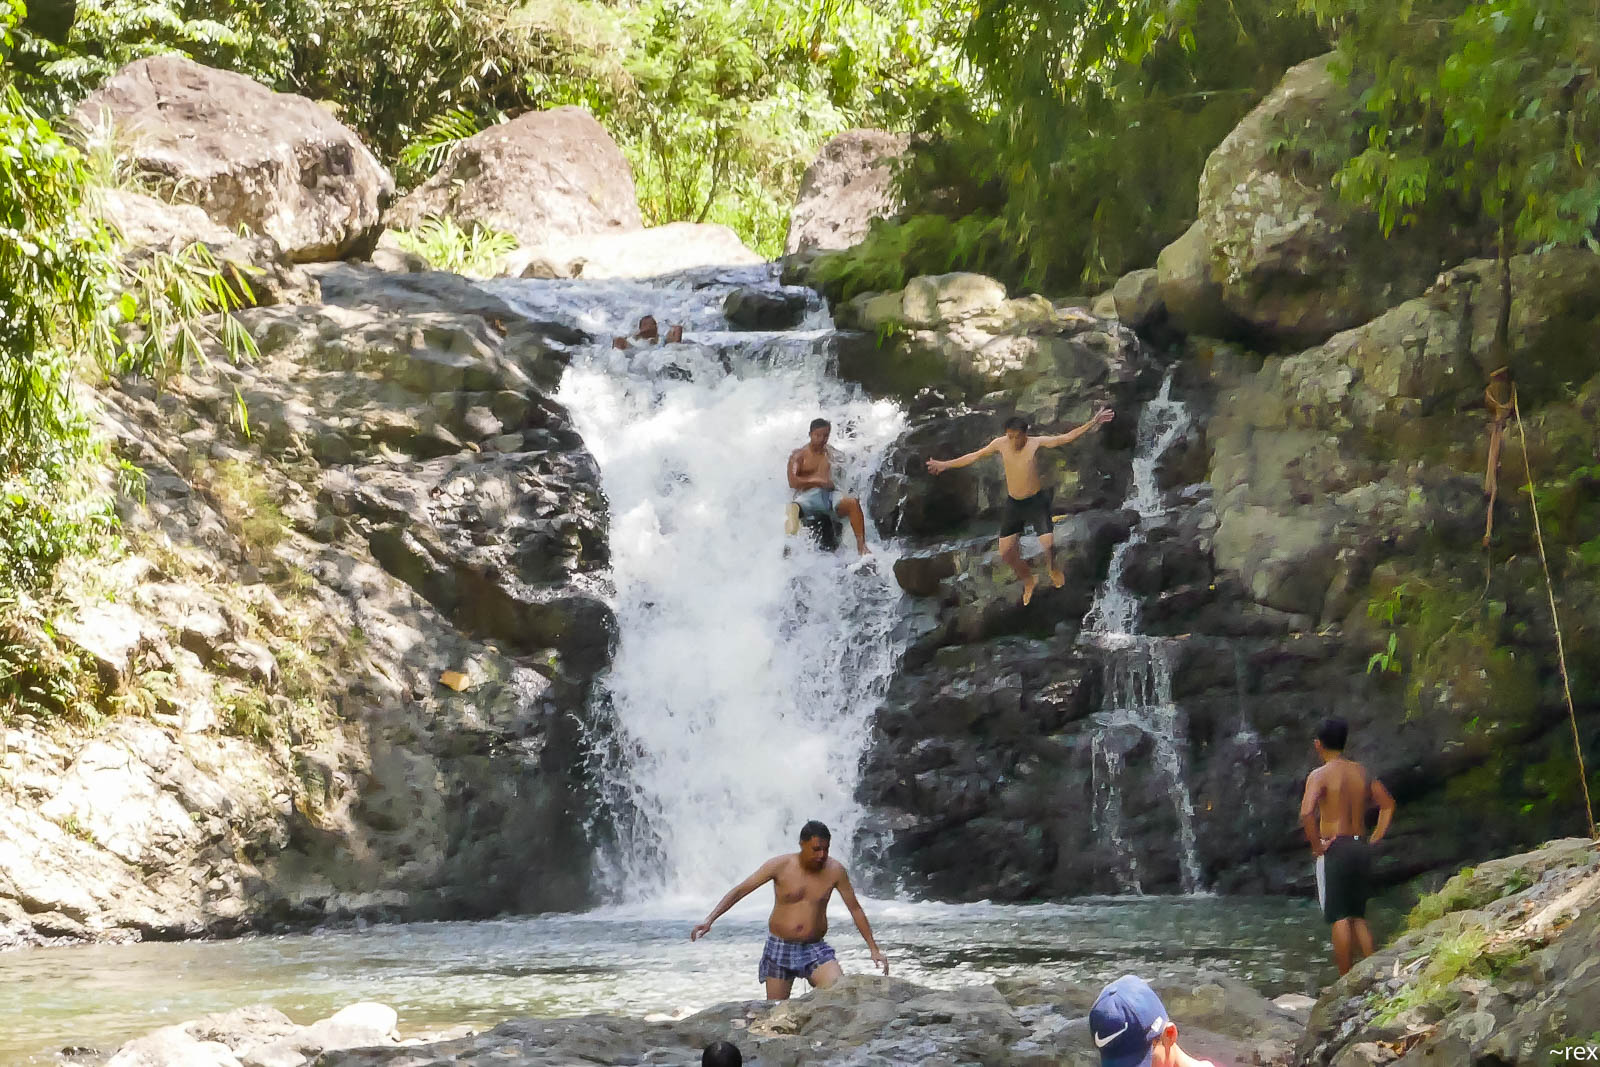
648	330
821	430
1130	1027
814	843
1016	431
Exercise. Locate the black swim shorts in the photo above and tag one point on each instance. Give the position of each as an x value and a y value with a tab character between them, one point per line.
1018	515
1342	873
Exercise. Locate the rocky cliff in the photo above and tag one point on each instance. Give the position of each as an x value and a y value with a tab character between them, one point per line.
1317	551
344	653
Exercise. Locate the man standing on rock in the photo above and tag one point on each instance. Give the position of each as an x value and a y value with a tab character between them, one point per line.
1334	817
803	882
1027	501
811	477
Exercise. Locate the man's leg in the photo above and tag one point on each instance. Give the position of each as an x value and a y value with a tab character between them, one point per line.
778	988
1341	945
1011	552
1363	938
824	975
1047	542
850	508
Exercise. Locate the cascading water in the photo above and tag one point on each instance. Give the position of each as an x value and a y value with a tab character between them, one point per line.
748	663
1138	668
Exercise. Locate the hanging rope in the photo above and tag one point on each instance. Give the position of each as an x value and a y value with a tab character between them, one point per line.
1555	618
1498	397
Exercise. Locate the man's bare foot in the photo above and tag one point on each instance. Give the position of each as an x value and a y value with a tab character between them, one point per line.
1027	588
863	550
1057	577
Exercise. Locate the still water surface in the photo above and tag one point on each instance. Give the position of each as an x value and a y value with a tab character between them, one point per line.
632	963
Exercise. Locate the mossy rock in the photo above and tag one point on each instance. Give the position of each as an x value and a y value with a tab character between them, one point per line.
1474	888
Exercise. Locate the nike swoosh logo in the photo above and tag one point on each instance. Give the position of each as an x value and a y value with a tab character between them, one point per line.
1102	1042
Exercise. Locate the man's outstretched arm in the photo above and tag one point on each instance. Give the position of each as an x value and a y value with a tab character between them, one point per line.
1308	814
939	466
1385	802
1100	418
848	895
764	874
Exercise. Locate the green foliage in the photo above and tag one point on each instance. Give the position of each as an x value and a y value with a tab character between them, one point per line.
446	246
1091	123
1487	106
440	134
1452	956
895	252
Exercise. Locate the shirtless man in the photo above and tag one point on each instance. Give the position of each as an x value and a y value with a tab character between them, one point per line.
1334	817
1027	501
811	477
802	884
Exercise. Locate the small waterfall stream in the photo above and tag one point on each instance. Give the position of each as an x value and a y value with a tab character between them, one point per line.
1138	667
749	664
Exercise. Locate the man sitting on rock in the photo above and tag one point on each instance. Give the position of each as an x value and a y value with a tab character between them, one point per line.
811	477
1027	501
1333	814
802	883
1130	1028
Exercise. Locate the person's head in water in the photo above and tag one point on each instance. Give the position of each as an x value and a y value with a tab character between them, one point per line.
1016	428
820	429
814	842
722	1054
648	331
1330	738
1130	1027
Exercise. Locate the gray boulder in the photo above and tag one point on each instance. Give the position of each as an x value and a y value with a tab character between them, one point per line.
1277	248
749	308
275	163
545	174
849	185
1137	299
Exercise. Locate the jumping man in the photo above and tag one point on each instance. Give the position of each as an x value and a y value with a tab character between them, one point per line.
1334	817
802	884
811	477
1027	501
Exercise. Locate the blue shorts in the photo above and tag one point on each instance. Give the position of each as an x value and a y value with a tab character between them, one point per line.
816	503
792	959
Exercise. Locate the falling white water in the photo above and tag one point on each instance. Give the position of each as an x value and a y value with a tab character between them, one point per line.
1138	668
749	663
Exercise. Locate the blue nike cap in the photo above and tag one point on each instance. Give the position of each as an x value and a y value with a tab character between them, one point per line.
1126	1021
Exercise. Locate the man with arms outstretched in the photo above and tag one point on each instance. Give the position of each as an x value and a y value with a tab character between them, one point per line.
1334	818
1027	501
811	477
802	883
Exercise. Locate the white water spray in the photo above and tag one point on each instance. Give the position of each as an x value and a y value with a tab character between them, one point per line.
1138	668
749	663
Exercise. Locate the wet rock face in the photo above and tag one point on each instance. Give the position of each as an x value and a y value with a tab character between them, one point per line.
543	175
882	1022
384	584
275	163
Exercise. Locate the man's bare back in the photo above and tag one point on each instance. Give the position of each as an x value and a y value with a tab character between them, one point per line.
1342	794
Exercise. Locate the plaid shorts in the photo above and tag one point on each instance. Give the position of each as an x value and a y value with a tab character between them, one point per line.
792	959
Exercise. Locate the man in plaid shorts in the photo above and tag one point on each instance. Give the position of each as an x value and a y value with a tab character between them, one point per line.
803	882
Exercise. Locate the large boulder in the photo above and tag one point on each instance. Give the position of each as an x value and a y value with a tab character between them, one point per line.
274	163
1276	255
545	174
849	185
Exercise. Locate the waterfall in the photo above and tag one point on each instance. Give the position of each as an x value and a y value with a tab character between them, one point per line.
1138	668
749	663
